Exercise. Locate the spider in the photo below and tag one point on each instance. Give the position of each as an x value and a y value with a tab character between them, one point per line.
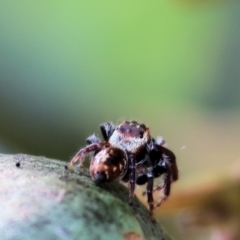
130	154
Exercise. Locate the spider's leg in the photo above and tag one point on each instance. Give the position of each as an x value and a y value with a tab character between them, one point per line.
132	178
172	159
107	130
83	152
93	139
166	187
150	195
157	188
168	154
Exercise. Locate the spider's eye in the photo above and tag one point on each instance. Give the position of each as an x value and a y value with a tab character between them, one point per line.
141	134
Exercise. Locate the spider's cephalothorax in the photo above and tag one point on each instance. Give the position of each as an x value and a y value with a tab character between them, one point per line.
130	154
130	136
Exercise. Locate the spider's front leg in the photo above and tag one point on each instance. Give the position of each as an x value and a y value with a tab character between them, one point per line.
132	176
83	152
150	195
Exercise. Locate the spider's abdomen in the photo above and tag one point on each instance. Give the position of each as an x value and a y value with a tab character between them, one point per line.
108	164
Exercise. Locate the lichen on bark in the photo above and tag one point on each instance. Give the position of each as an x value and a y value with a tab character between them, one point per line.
41	200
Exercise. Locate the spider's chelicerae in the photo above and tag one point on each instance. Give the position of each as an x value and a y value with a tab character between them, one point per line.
130	154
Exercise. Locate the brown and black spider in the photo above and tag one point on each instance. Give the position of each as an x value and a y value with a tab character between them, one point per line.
130	154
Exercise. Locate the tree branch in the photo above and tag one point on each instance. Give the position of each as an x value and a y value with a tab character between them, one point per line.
41	200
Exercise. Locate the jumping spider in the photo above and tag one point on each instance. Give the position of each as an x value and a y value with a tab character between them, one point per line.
130	154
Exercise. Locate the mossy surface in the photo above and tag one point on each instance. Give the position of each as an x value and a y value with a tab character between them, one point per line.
41	200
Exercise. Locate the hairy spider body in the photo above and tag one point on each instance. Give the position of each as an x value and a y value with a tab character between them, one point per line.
130	154
108	164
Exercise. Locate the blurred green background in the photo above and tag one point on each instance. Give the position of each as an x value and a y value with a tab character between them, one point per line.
66	67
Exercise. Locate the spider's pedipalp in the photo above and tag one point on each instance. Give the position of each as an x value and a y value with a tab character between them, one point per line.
107	130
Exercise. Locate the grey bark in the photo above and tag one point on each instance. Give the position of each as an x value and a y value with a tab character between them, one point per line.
41	200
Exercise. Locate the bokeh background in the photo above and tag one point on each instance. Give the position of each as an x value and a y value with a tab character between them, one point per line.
66	67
